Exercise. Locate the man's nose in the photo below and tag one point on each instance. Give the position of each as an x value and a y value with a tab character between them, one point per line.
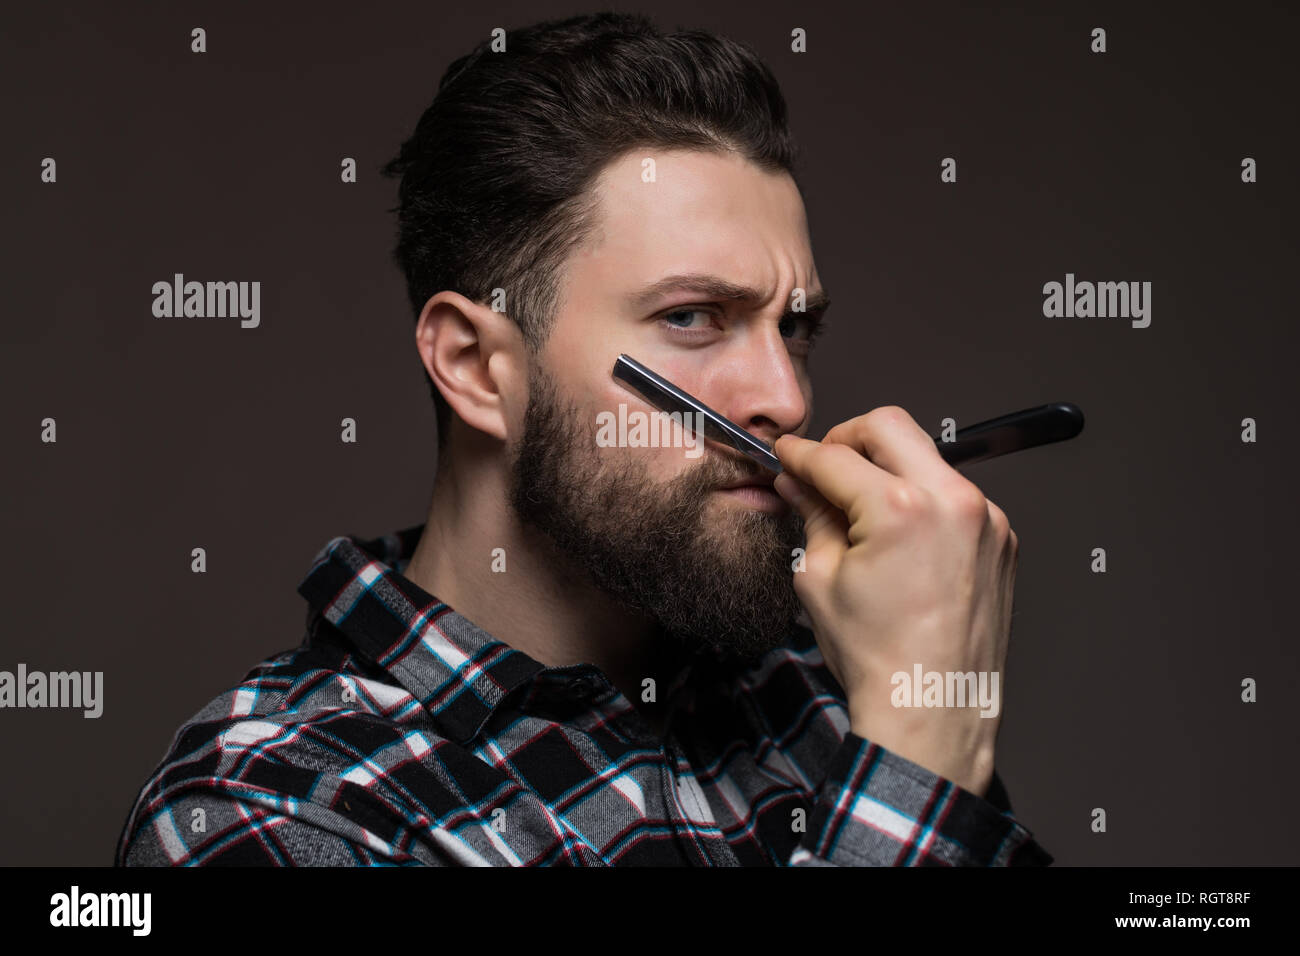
760	390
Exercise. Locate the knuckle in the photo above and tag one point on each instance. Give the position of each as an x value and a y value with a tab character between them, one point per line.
896	415
904	499
969	502
884	415
1002	527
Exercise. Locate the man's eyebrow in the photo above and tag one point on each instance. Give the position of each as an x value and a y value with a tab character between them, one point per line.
718	288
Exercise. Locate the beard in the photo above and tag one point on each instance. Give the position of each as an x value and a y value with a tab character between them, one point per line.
719	579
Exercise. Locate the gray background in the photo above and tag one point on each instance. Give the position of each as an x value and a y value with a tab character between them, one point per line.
1123	688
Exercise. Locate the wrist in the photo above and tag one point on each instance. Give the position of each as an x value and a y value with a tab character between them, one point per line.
970	768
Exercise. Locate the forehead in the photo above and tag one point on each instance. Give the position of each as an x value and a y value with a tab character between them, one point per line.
660	211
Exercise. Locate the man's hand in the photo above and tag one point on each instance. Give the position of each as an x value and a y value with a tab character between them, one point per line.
906	563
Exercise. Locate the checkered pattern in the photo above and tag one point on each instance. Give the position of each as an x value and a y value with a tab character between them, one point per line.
399	733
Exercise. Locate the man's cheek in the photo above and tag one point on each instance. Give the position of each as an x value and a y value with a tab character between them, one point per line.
666	467
657	442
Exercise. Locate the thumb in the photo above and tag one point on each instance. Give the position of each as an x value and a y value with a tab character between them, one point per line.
825	526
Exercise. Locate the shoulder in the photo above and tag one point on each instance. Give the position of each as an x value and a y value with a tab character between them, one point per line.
311	739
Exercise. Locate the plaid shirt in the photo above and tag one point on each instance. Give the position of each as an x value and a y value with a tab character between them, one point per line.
401	733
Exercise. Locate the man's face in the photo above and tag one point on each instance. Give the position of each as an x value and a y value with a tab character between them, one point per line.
655	526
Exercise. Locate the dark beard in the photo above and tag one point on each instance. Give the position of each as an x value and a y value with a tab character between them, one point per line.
726	585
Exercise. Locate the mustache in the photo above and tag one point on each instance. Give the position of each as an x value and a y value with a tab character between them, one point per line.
556	427
715	470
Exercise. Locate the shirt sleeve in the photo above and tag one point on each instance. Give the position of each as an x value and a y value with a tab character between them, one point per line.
877	808
211	829
229	802
228	823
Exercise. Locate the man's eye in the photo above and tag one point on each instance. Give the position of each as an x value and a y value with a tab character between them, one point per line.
808	326
790	323
671	316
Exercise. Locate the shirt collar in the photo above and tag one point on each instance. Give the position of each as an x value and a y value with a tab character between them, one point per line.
458	671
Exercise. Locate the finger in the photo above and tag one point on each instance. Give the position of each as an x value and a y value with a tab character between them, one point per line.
825	527
841	475
892	440
998	519
1002	527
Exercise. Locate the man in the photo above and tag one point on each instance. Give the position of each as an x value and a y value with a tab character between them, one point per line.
591	655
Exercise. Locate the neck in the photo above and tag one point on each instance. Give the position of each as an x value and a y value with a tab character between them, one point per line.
540	604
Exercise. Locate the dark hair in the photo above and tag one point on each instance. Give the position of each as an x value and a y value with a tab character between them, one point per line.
494	180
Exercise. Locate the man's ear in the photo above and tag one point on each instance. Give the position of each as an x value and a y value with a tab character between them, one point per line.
475	357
